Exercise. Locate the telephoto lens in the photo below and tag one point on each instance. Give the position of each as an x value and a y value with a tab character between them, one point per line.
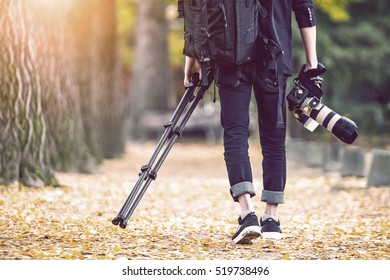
341	127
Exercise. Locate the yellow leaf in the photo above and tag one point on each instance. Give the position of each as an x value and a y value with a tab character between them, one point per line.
186	249
206	241
117	248
33	252
77	254
286	257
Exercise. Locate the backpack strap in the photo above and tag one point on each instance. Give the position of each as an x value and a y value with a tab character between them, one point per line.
277	56
273	46
205	58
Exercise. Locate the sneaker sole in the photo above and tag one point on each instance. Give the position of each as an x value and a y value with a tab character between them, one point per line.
272	235
247	235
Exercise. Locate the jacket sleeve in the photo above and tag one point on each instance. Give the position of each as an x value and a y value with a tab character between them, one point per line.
304	13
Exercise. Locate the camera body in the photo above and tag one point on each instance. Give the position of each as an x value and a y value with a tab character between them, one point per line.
308	109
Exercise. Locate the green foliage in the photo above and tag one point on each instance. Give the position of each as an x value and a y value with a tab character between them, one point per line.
126	30
356	53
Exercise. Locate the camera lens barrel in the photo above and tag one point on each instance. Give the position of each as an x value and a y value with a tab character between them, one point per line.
305	120
341	127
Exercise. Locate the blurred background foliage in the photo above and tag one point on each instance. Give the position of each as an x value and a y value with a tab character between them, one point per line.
353	44
355	48
78	77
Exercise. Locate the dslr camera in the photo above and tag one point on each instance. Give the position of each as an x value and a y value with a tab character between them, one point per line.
304	100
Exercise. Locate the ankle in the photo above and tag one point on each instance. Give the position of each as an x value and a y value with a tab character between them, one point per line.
245	202
271	210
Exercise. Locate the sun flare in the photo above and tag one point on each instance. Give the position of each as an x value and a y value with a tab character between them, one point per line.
56	6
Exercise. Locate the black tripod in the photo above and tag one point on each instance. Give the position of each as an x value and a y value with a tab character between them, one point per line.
193	93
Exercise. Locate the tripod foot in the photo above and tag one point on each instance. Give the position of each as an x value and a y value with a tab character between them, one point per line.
123	224
118	220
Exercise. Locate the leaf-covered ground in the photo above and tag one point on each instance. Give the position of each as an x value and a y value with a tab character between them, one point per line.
187	213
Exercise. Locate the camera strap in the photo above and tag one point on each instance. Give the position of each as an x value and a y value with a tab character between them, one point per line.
306	79
277	57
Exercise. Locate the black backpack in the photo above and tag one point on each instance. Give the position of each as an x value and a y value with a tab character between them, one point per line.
223	31
226	32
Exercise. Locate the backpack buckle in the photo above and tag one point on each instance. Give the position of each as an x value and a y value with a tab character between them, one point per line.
263	12
187	36
205	33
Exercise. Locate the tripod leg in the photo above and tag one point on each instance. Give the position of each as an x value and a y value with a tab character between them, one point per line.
177	133
188	94
122	213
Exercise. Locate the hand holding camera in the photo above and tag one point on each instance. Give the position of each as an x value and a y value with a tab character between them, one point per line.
304	100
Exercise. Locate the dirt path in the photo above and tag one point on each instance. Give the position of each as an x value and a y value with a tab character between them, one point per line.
187	213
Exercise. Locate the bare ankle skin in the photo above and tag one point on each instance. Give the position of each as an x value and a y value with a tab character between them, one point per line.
271	209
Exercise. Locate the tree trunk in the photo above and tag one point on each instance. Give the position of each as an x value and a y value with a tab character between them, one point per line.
60	106
66	138
151	73
111	107
93	23
23	126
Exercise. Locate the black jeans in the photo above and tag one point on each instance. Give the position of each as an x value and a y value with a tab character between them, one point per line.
235	84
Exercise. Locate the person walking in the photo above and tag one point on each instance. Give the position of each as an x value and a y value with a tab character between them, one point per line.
235	86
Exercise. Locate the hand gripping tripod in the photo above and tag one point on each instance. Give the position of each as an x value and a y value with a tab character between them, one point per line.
194	92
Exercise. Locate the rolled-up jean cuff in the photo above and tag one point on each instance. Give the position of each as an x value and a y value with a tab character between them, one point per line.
242	188
272	197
